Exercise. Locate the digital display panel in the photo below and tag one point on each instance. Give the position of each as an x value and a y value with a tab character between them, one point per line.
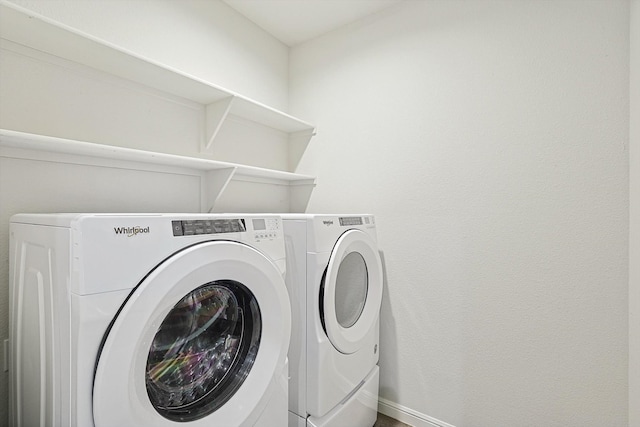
259	224
351	220
207	226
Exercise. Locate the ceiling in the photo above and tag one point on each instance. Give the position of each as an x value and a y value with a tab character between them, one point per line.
296	21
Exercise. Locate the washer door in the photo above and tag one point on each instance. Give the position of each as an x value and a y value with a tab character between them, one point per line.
198	342
352	290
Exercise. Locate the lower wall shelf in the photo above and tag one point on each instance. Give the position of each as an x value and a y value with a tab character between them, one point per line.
214	175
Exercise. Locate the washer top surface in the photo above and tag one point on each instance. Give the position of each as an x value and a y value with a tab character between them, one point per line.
136	243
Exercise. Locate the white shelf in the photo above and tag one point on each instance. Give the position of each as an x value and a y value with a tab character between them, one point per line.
215	175
23	27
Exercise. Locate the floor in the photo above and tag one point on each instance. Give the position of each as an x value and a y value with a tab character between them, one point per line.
384	421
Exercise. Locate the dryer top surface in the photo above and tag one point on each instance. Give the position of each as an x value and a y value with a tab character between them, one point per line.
323	230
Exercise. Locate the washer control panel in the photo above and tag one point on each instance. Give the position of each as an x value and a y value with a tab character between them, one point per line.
262	228
265	228
196	227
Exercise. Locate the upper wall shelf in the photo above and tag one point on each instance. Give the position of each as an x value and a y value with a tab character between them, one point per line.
22	26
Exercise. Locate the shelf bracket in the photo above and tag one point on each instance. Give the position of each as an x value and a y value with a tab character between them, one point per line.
213	185
215	115
299	195
298	142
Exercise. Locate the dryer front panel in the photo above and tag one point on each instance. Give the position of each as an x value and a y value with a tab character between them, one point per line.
351	291
199	342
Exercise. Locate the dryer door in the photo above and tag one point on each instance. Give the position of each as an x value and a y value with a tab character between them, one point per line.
198	342
352	290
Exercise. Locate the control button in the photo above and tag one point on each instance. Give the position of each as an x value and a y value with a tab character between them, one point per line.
189	228
177	228
273	224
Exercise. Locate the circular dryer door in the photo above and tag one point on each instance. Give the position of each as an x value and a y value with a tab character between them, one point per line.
200	341
352	290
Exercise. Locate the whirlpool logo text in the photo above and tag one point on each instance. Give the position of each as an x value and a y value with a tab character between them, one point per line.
131	231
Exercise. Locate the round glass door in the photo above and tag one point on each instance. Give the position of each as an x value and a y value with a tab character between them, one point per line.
203	350
352	290
352	283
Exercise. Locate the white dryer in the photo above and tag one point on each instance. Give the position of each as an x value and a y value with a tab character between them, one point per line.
334	278
148	320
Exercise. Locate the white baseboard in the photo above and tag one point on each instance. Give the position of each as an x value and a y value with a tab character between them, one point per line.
408	416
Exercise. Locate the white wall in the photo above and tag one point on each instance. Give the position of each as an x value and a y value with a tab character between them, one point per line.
490	138
40	94
634	221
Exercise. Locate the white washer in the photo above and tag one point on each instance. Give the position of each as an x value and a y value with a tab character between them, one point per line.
334	278
148	320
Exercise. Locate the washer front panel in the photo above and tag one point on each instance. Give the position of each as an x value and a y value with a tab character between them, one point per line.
220	302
